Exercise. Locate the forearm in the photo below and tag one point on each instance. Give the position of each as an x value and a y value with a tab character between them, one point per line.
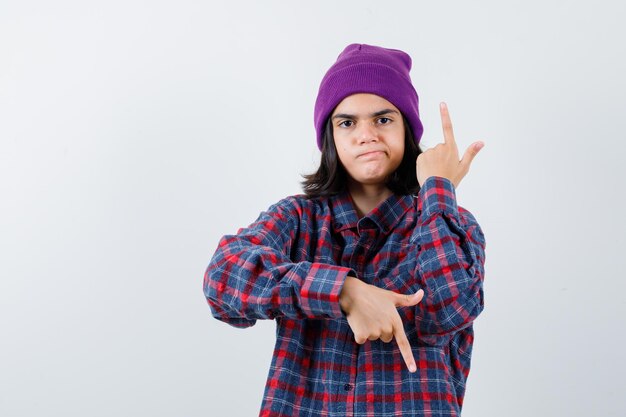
451	255
245	282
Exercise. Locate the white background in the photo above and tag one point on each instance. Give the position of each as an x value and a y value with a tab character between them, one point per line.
135	134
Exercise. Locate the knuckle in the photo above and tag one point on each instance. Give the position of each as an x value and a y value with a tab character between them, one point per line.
388	336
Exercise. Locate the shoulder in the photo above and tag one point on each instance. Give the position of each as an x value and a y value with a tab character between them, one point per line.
298	206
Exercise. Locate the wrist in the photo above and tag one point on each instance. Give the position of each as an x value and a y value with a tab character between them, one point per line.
347	293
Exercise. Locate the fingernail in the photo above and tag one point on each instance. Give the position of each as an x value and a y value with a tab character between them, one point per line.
412	367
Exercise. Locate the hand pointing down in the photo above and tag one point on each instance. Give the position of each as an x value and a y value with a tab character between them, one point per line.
372	314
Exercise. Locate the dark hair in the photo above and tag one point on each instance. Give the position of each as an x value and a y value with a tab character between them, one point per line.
331	177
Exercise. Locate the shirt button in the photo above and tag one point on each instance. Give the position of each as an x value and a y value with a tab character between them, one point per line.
347	387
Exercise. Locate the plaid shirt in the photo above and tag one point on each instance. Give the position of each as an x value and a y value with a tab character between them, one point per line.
290	265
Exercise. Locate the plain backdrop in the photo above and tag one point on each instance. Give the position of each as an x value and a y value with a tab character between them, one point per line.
134	134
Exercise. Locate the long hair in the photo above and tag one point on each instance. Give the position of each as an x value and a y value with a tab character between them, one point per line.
331	177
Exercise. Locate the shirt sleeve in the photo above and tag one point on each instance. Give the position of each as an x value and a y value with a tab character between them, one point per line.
450	263
251	275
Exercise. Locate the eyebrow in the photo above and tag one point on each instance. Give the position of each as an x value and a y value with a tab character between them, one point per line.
350	116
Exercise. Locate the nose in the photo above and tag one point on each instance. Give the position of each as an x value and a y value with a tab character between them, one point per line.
366	133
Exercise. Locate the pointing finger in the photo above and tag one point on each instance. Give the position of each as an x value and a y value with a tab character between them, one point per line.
405	347
446	123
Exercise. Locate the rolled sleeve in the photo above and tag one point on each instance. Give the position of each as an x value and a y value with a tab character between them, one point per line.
437	195
321	288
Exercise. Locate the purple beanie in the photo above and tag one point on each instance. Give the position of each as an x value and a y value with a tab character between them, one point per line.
362	68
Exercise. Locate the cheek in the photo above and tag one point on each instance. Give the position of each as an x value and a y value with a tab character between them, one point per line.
346	161
398	149
340	153
342	150
343	159
398	144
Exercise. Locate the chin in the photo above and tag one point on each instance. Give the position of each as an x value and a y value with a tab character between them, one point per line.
374	177
371	180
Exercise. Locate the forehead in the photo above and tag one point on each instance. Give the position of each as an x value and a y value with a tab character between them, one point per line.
363	103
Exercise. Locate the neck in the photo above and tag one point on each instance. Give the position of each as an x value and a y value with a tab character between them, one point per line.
367	196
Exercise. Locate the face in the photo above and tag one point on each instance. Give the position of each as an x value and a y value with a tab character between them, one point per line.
369	137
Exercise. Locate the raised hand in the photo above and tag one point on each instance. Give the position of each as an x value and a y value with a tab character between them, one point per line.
372	314
443	159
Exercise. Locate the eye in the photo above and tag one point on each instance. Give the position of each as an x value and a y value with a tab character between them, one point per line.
385	118
345	121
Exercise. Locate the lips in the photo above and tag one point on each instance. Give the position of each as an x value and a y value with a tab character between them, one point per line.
371	153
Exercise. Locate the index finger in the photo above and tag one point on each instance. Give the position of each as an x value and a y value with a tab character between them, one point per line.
446	123
405	346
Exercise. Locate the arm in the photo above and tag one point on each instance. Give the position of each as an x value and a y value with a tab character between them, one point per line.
450	263
251	275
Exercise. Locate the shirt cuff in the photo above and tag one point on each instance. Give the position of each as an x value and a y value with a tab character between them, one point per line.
437	195
321	288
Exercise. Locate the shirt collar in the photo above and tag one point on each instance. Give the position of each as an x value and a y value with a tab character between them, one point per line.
386	215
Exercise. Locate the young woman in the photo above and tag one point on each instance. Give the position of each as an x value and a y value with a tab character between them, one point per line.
375	275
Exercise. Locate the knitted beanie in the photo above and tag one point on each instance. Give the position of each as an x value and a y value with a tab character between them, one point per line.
362	68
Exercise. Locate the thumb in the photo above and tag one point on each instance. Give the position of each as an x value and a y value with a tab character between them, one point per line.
409	299
471	152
